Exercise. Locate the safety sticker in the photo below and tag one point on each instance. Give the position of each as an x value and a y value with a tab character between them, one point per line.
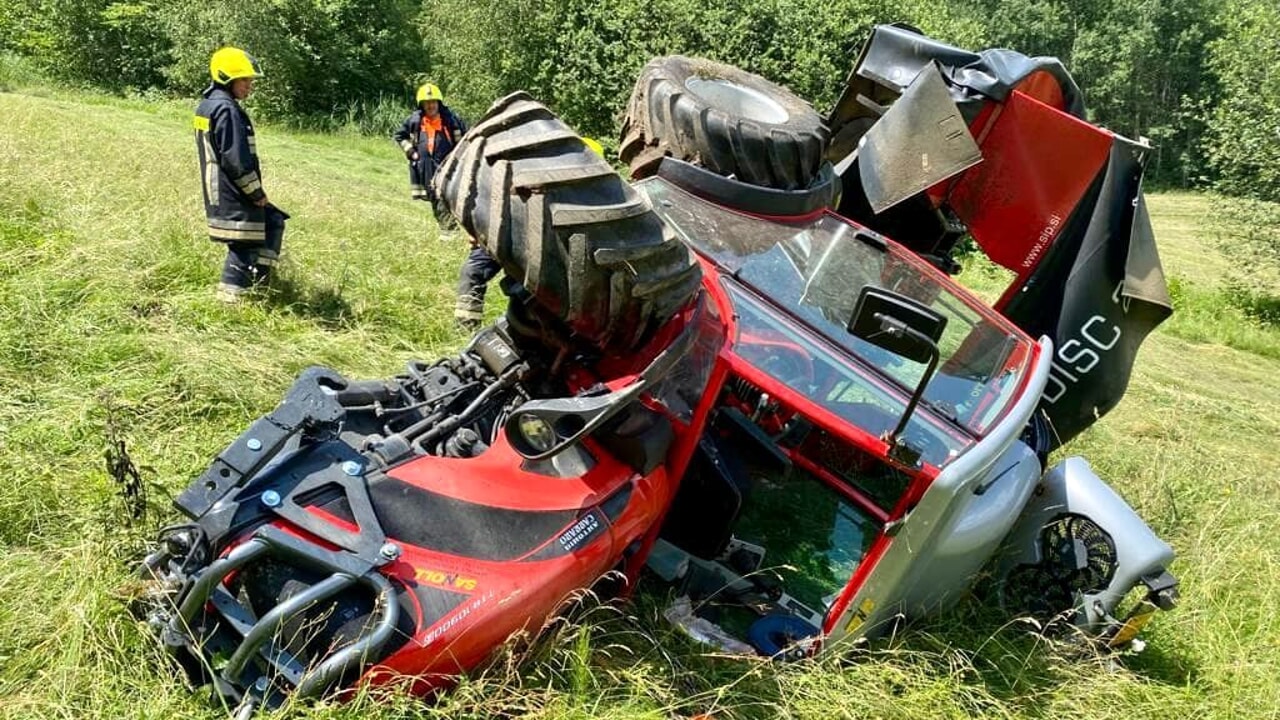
859	617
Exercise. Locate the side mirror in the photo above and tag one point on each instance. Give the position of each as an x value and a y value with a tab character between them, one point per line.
882	317
903	327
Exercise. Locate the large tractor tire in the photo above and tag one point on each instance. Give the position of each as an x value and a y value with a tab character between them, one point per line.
585	245
724	119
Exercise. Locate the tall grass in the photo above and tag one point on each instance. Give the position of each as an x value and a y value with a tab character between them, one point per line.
109	329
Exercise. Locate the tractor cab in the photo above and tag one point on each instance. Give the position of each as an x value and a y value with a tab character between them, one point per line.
856	377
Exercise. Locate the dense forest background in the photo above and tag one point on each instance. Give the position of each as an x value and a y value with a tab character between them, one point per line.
1200	78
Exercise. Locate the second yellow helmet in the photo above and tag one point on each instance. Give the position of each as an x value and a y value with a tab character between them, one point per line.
429	92
232	63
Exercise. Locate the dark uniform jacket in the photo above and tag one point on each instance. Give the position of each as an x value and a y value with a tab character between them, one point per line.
410	137
229	172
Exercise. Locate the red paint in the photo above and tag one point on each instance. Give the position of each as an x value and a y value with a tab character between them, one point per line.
1038	162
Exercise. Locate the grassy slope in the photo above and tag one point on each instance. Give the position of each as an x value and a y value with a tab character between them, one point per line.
107	318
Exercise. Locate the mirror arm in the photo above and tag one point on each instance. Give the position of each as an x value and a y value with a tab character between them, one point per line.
897	327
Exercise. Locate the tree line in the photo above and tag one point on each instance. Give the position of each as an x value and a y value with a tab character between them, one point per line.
1200	78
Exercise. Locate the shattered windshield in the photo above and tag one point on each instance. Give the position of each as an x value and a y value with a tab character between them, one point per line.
813	273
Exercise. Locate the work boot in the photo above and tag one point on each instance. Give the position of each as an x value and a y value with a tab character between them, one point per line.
468	313
230	294
237	272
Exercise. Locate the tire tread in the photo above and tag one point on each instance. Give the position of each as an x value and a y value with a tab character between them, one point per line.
663	119
585	244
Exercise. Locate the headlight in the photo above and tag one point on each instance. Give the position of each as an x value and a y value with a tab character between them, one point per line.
537	432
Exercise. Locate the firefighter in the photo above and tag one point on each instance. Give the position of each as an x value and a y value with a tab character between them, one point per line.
478	269
235	203
427	137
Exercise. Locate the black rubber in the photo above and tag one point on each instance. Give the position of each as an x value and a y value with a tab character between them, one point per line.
722	118
583	243
726	192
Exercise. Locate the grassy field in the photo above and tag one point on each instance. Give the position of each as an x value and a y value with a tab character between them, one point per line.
109	329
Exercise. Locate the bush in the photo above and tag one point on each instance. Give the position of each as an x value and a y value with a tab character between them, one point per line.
1197	77
1140	63
108	44
1243	144
1251	237
377	116
583	56
8	27
17	72
321	57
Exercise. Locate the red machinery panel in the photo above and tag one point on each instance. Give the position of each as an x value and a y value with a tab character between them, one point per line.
1037	164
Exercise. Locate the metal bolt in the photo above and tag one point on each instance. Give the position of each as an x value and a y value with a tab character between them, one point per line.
390	551
352	468
262	684
271	498
254	444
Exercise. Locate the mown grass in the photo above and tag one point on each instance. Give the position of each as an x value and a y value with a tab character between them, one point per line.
108	328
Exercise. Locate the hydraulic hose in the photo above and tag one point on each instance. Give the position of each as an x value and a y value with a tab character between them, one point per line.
505	381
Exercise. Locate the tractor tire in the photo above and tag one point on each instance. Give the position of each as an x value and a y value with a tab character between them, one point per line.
582	242
724	119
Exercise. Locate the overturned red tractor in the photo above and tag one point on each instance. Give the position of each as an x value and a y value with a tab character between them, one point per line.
712	374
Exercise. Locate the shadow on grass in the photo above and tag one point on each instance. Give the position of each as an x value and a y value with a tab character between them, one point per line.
1018	665
325	305
1165	662
973	660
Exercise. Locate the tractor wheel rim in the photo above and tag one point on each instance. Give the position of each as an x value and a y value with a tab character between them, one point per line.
738	99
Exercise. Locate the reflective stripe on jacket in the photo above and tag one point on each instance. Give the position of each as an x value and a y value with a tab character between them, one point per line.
231	179
410	137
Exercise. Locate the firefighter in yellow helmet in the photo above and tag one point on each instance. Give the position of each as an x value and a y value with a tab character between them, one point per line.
235	202
427	137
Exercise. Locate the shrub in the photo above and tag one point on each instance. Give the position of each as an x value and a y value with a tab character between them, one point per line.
1197	77
321	57
583	56
1243	144
108	44
1252	239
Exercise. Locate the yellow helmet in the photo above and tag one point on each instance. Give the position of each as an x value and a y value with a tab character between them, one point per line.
231	63
429	92
594	146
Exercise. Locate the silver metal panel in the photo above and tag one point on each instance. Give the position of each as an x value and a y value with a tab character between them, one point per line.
1071	486
911	572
